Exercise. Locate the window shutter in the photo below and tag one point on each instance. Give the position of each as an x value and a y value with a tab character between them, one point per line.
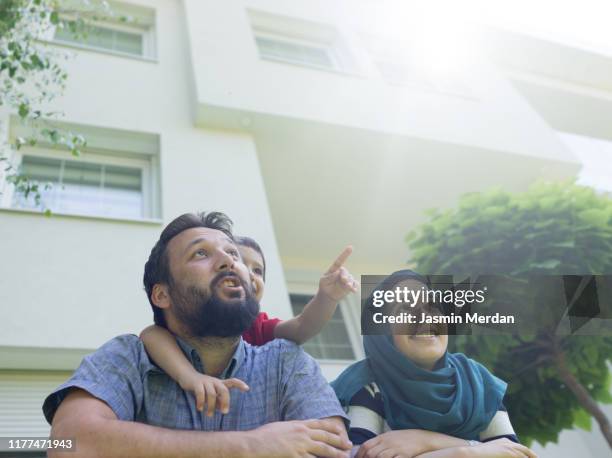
21	398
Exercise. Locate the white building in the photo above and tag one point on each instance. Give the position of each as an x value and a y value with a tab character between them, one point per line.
310	127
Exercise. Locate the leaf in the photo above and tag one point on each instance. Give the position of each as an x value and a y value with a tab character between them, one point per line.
566	244
595	217
548	264
583	420
36	61
605	397
591	354
24	110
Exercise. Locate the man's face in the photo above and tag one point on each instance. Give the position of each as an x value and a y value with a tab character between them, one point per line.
210	289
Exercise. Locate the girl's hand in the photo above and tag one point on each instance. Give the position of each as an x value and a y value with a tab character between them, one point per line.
500	448
211	391
404	443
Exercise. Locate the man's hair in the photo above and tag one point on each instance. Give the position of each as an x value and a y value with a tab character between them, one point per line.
157	268
251	243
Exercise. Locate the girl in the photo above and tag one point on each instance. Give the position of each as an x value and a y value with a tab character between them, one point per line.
334	285
410	397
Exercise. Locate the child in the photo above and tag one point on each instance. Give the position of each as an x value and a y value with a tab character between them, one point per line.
334	285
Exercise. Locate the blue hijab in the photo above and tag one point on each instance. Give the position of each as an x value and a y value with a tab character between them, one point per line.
459	397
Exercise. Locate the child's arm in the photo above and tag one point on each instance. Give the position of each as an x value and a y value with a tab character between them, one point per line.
334	285
164	350
208	390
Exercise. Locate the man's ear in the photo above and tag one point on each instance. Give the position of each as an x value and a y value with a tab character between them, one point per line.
160	296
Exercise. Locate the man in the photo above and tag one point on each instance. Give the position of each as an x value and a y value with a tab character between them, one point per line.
118	403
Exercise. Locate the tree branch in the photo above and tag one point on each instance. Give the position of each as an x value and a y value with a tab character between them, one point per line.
583	396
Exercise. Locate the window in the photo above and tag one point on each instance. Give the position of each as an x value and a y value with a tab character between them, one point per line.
333	342
21	396
84	188
294	52
131	37
107	38
116	176
300	42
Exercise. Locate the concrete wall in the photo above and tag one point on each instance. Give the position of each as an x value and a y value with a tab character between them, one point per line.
230	75
75	282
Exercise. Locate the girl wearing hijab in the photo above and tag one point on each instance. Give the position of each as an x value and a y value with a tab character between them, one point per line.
411	397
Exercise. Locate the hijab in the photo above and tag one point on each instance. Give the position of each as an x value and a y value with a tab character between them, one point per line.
459	396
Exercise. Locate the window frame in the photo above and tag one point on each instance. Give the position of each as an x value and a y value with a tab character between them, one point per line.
303	32
329	50
145	26
145	164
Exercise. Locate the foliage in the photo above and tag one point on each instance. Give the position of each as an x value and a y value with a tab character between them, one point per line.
559	228
31	74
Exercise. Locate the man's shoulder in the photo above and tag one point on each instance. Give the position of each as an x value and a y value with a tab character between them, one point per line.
281	353
123	343
275	347
124	349
279	344
113	373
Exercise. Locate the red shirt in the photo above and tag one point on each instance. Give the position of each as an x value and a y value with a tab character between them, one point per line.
262	330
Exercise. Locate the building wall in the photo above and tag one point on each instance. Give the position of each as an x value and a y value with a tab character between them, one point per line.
224	52
60	273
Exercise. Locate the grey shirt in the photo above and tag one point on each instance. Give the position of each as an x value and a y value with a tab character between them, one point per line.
285	384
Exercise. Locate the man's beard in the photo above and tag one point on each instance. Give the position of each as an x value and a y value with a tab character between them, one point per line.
205	315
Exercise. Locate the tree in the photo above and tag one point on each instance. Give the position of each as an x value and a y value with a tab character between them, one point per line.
31	74
555	382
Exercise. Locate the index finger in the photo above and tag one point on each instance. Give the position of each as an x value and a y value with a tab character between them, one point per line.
236	383
340	259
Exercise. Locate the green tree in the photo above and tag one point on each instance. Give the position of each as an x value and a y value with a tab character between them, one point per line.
555	382
32	75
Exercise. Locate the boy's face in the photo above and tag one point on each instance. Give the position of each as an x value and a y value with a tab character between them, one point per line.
254	262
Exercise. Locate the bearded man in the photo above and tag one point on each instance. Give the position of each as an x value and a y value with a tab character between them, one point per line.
119	403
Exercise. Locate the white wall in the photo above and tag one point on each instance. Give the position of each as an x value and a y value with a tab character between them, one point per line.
69	282
230	75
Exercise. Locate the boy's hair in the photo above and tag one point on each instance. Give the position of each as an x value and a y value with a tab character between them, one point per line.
251	243
157	268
